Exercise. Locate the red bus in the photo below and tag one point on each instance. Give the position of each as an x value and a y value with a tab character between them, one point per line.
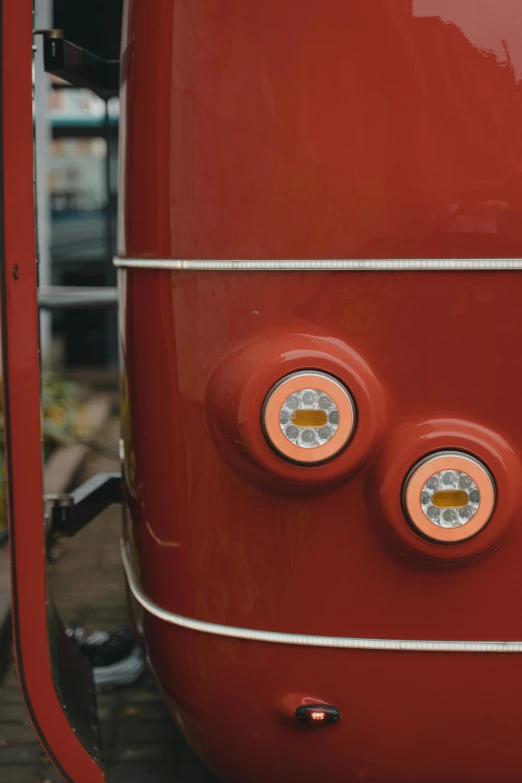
319	267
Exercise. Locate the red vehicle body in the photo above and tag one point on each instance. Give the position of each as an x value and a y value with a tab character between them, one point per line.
330	187
308	189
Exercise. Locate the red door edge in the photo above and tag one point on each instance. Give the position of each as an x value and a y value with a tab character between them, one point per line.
22	405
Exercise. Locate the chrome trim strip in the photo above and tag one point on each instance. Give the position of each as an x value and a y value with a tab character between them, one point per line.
304	640
325	265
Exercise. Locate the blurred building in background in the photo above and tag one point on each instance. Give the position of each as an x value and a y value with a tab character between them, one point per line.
82	208
76	136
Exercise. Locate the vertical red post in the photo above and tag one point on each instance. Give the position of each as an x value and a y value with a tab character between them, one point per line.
22	404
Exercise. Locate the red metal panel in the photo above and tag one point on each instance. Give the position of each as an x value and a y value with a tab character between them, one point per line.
22	405
340	129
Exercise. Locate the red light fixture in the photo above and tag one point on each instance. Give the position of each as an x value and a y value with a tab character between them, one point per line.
309	417
318	714
449	496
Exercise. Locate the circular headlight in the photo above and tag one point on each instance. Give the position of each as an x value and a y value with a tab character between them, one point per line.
309	417
449	496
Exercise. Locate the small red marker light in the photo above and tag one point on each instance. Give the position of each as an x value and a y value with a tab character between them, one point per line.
317	713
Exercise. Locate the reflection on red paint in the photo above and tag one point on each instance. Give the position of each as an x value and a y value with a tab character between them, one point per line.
305	130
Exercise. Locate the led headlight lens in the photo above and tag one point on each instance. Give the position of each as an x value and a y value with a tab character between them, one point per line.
309	416
449	496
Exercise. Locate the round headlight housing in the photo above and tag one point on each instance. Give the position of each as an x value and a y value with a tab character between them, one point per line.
449	496
309	417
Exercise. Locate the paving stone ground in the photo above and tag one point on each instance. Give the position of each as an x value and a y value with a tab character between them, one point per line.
141	743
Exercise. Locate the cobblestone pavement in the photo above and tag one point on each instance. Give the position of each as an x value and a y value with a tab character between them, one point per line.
141	743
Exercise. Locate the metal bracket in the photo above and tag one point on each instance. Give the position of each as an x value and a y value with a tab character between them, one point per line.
56	297
78	66
72	511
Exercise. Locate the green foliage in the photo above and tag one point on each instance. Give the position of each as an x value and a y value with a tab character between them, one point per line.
60	416
60	411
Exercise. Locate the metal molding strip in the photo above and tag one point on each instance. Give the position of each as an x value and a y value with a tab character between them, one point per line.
272	637
322	265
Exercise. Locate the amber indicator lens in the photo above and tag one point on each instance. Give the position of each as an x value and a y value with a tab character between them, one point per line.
455	498
318	714
309	418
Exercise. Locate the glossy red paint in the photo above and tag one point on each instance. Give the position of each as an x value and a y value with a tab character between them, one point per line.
22	405
322	130
229	699
404	449
342	129
239	386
